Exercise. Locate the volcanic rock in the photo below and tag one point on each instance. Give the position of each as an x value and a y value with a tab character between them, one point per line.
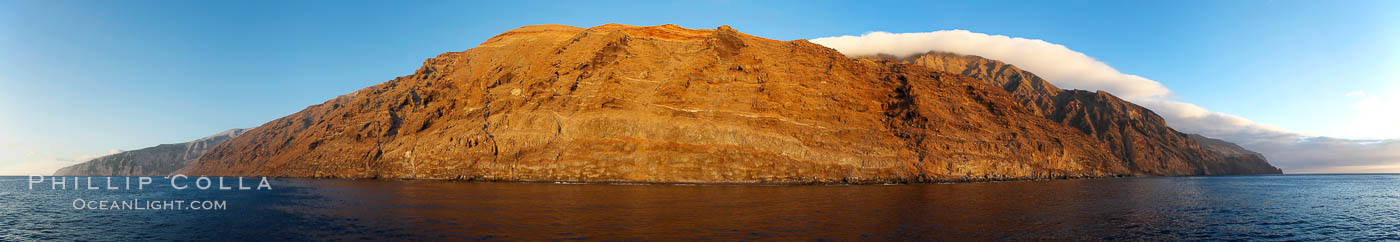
159	160
1241	159
1134	134
659	104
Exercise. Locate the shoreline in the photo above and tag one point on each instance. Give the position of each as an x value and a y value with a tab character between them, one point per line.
802	183
794	183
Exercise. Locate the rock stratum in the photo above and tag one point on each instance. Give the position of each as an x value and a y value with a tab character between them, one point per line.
662	104
159	160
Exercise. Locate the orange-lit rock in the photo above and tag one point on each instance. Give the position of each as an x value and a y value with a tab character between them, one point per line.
618	103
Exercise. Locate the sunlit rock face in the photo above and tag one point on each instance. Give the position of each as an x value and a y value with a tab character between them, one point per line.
1134	134
160	160
618	103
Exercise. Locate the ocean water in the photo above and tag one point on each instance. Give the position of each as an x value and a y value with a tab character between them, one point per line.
1277	207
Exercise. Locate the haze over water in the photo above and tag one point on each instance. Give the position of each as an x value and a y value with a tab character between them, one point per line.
1280	207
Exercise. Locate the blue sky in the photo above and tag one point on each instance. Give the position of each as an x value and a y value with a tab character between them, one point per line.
84	77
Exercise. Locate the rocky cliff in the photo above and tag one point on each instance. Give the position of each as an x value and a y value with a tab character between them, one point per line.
1133	133
160	160
1239	157
618	103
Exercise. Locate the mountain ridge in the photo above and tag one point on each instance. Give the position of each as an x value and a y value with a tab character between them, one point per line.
664	104
620	103
1135	134
159	160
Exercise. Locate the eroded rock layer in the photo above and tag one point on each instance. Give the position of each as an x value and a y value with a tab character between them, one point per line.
618	103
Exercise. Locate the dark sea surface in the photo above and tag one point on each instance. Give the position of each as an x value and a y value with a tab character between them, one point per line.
1277	207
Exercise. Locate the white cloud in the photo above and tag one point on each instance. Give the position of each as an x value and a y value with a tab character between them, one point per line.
1068	68
1330	155
1292	151
1376	115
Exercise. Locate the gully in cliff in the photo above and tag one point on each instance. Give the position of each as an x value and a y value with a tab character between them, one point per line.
179	182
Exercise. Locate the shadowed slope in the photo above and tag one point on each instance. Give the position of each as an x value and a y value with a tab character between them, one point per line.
159	160
1134	134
